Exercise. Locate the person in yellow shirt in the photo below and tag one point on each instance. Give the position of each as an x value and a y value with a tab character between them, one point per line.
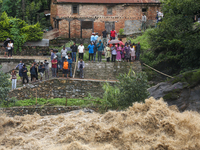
65	68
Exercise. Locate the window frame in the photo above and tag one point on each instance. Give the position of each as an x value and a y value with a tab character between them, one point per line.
108	11
75	5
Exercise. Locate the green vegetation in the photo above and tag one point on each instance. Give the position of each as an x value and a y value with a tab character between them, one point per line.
173	95
27	10
19	31
4	85
121	31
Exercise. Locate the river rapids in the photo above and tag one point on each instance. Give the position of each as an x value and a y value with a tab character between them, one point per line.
144	126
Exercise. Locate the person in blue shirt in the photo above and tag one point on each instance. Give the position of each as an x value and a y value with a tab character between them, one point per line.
92	39
100	50
91	51
70	65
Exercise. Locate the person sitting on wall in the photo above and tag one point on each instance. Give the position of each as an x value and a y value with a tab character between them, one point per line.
92	38
81	67
96	38
65	68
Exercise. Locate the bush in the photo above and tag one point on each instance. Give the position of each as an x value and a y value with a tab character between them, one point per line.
133	88
121	31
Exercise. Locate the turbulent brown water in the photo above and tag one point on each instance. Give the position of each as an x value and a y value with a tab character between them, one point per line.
149	126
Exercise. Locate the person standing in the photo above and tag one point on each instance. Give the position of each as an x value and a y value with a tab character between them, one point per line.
127	52
114	52
81	50
36	69
46	65
122	53
132	50
144	19
54	67
33	73
70	66
14	79
92	38
65	68
74	51
100	50
41	70
108	53
119	50
24	74
104	37
10	48
96	38
52	54
138	51
59	59
81	67
63	54
91	51
95	50
20	66
113	33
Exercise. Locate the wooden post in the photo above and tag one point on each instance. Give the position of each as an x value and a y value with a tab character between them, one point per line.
36	98
75	66
66	100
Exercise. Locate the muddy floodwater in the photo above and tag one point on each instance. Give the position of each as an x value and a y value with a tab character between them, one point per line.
149	126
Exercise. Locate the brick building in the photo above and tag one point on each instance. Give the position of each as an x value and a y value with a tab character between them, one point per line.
79	18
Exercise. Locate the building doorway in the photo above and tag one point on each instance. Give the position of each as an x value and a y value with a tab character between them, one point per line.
109	26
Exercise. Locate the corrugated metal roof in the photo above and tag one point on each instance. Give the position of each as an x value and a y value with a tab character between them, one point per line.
108	1
43	42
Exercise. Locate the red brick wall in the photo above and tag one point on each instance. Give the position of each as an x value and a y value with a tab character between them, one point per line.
53	12
86	33
64	28
99	12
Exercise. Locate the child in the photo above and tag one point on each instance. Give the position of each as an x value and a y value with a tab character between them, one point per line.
70	66
24	74
14	79
132	53
81	67
65	68
41	70
33	73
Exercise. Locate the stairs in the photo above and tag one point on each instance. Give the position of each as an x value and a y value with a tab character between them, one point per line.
51	34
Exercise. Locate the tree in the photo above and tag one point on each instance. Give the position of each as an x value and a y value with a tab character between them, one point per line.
133	88
175	43
4	85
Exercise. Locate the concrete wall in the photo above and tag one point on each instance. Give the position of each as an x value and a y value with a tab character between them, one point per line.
55	88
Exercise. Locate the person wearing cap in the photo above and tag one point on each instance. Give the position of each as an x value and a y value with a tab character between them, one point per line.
20	66
24	74
92	38
144	20
54	66
74	51
100	50
46	65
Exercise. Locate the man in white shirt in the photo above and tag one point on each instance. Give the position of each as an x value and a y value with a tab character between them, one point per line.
81	50
63	55
144	19
160	16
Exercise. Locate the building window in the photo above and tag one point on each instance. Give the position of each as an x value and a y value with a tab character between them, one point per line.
109	11
144	10
75	9
87	24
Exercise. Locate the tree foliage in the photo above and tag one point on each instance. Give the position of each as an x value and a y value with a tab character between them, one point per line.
175	42
4	85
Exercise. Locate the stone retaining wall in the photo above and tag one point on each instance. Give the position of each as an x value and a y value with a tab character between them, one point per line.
57	88
43	111
29	51
109	71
